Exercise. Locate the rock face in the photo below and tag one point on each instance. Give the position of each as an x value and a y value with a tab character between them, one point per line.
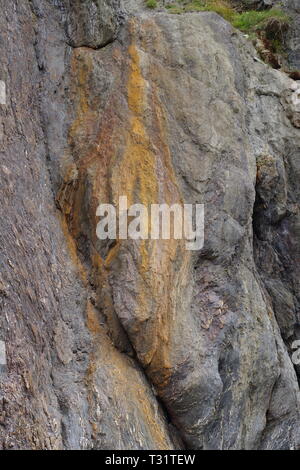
293	37
66	385
254	4
144	344
92	23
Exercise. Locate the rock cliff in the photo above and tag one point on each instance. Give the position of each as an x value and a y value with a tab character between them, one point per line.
143	344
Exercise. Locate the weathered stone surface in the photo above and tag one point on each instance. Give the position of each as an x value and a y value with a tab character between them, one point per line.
293	37
2	357
95	332
254	4
92	23
66	385
292	98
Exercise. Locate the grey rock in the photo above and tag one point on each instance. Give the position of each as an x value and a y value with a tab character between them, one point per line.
100	335
2	356
92	23
293	37
254	4
66	386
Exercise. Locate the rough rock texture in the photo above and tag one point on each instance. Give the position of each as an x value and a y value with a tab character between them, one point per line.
66	385
143	344
254	4
92	23
293	37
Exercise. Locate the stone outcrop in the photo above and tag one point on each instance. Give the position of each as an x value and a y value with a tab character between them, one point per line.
144	344
293	36
254	4
289	38
92	23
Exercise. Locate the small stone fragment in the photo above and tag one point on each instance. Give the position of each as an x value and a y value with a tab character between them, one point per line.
2	357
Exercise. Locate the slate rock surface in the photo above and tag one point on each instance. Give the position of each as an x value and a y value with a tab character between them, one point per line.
144	344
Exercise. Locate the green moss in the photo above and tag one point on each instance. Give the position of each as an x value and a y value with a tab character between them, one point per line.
277	46
251	20
222	8
151	4
269	26
176	10
273	21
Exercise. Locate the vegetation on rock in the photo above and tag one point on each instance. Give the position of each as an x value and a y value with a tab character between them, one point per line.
252	20
267	26
246	21
151	4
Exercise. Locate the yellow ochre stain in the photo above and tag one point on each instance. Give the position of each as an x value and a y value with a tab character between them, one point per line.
126	380
138	173
136	176
138	164
145	174
81	71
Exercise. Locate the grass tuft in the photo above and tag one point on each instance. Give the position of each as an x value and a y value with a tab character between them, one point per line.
274	21
248	21
151	4
267	25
